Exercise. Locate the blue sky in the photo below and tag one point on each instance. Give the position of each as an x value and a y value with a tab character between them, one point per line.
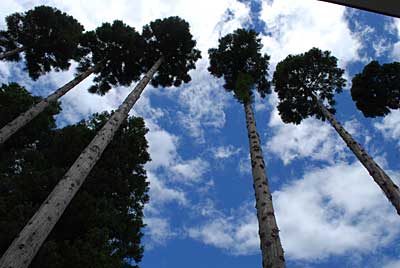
201	212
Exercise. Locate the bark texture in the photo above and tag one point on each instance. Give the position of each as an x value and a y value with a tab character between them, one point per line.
390	189
28	242
11	52
8	130
270	243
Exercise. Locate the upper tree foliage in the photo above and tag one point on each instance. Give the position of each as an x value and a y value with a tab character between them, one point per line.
102	226
301	79
239	61
376	89
119	49
170	38
49	36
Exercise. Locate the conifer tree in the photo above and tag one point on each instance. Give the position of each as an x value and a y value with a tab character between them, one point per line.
306	84
239	61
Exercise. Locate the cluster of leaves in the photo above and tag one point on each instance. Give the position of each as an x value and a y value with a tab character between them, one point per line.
376	89
49	37
102	226
118	49
238	57
301	79
171	39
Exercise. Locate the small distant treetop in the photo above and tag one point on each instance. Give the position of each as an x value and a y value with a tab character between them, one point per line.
119	49
299	79
239	61
49	37
376	89
170	38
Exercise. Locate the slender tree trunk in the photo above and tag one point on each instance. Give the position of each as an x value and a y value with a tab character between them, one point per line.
28	242
390	189
270	243
11	52
8	130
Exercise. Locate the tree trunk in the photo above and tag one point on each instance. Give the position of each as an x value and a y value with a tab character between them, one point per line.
390	189
270	243
8	130
11	52
28	242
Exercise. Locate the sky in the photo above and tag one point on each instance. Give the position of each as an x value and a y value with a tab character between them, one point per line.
201	212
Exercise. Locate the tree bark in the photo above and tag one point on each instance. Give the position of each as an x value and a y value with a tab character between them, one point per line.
28	242
11	52
270	243
8	130
390	189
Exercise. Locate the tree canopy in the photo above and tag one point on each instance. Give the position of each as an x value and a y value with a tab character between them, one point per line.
170	38
376	89
102	226
50	38
119	49
300	79
239	61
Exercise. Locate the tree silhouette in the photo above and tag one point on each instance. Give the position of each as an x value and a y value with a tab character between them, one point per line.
239	61
48	37
113	53
40	225
102	226
376	89
306	84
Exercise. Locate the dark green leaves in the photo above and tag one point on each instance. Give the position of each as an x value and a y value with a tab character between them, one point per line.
377	89
238	57
299	79
102	227
171	39
118	49
50	39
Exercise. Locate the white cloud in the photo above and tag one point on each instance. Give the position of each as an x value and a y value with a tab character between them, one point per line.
328	212
392	264
158	231
297	26
338	209
390	126
223	152
190	171
311	139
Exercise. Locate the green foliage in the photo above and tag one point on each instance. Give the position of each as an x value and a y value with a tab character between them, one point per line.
171	38
102	225
238	56
376	89
49	36
119	48
300	79
15	100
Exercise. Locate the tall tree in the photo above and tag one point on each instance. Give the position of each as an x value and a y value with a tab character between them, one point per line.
102	226
306	84
376	89
113	52
239	61
40	225
48	37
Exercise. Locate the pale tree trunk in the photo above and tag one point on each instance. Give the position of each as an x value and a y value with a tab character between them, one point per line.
270	243
8	130
390	189
11	52
28	242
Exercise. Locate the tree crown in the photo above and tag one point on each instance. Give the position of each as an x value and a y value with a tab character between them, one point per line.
118	48
239	61
376	89
301	79
50	38
170	38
